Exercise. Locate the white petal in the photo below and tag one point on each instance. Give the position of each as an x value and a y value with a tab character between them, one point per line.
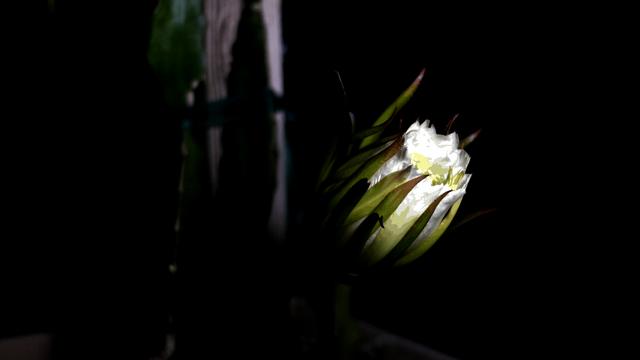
464	182
414	127
429	152
398	162
397	225
434	154
441	210
459	160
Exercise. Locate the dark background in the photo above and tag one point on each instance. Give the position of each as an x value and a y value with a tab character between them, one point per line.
483	287
91	163
548	273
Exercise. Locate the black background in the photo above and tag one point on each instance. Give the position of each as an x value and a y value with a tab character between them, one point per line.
447	298
91	154
484	288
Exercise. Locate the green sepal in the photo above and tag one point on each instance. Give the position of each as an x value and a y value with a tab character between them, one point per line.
349	168
432	238
366	170
328	164
372	222
337	217
376	194
408	239
396	106
376	130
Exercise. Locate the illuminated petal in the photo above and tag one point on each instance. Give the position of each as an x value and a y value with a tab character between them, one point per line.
441	211
401	220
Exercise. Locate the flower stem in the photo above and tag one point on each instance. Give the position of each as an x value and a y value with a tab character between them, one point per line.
345	327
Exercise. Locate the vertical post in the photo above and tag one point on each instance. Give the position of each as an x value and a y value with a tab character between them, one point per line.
222	18
271	10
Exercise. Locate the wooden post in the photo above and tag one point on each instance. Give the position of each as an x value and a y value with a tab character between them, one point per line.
222	18
273	24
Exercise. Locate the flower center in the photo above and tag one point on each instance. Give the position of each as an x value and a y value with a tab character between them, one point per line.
437	173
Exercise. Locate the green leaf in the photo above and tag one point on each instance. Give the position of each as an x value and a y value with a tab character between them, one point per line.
374	196
396	106
384	141
367	170
411	235
390	202
376	219
176	48
345	206
349	168
327	166
370	131
359	239
329	187
432	238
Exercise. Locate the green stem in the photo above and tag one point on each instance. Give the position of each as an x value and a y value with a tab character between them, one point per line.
346	329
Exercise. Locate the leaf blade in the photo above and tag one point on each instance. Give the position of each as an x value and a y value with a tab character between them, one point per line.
367	170
407	240
395	107
432	238
376	194
375	220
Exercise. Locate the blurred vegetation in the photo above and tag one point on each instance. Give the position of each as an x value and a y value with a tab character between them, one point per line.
175	49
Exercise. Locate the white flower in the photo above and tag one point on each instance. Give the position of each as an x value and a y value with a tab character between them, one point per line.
428	153
387	200
444	164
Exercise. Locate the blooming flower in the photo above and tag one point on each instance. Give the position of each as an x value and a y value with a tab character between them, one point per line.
438	158
390	200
